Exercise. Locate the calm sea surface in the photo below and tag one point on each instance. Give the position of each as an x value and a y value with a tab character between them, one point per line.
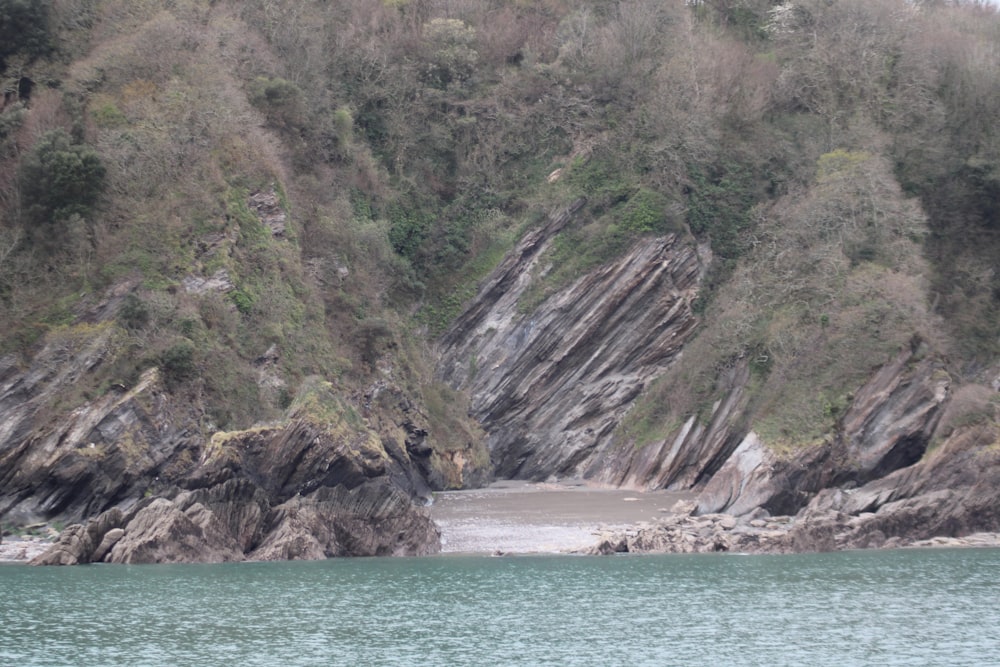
919	607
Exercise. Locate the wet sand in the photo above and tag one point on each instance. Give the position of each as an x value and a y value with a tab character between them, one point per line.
526	517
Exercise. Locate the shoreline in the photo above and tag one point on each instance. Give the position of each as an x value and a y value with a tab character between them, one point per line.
22	548
514	517
573	517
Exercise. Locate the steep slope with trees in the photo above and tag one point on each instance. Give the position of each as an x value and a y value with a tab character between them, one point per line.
781	245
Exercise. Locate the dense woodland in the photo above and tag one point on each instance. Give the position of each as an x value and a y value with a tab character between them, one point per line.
840	158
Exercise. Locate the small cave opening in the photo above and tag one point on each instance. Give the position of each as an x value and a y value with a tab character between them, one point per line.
20	92
24	88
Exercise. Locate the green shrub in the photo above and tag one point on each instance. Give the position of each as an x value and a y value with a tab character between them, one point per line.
647	211
601	181
134	313
409	226
242	300
280	99
60	178
24	28
719	207
177	362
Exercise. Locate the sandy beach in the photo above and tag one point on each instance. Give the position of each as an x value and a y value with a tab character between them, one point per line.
526	517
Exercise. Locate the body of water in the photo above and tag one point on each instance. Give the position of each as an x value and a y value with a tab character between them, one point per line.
907	607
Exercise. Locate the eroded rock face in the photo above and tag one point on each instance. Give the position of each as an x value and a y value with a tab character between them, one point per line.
953	492
373	519
105	451
551	385
689	458
950	498
135	471
238	520
887	427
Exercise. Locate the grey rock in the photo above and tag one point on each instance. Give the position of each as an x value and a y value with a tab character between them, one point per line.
217	282
109	540
550	386
887	427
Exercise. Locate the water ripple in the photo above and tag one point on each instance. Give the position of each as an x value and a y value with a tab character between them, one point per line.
915	607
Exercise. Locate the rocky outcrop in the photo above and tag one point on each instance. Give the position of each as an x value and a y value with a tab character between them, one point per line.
75	463
370	520
139	482
887	427
239	520
694	453
680	531
950	498
550	386
268	207
953	492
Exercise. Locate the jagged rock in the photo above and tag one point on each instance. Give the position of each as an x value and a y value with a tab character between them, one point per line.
893	416
238	519
267	206
78	543
550	386
161	532
100	454
217	282
374	519
887	427
109	540
359	487
297	457
951	498
694	453
953	492
73	547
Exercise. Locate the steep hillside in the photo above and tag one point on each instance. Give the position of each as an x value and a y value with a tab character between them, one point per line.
271	272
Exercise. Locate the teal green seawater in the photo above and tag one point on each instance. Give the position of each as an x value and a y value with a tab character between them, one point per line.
908	607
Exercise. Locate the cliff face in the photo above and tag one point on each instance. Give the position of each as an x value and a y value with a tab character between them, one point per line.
887	427
306	489
74	463
135	466
550	386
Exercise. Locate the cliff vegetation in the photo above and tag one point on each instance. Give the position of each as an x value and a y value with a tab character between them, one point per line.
453	239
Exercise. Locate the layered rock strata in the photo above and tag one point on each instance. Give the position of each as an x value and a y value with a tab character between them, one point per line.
950	498
550	386
72	465
135	475
887	426
236	521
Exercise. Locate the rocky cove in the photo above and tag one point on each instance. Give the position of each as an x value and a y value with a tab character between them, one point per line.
138	481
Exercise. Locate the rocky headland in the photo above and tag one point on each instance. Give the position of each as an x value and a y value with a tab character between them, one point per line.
138	483
950	498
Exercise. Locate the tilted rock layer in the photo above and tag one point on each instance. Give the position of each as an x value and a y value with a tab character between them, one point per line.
950	498
551	383
135	470
550	386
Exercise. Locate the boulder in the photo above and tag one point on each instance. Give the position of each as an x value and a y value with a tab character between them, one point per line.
374	519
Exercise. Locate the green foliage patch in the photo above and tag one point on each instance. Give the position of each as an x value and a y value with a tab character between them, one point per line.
24	28
60	178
